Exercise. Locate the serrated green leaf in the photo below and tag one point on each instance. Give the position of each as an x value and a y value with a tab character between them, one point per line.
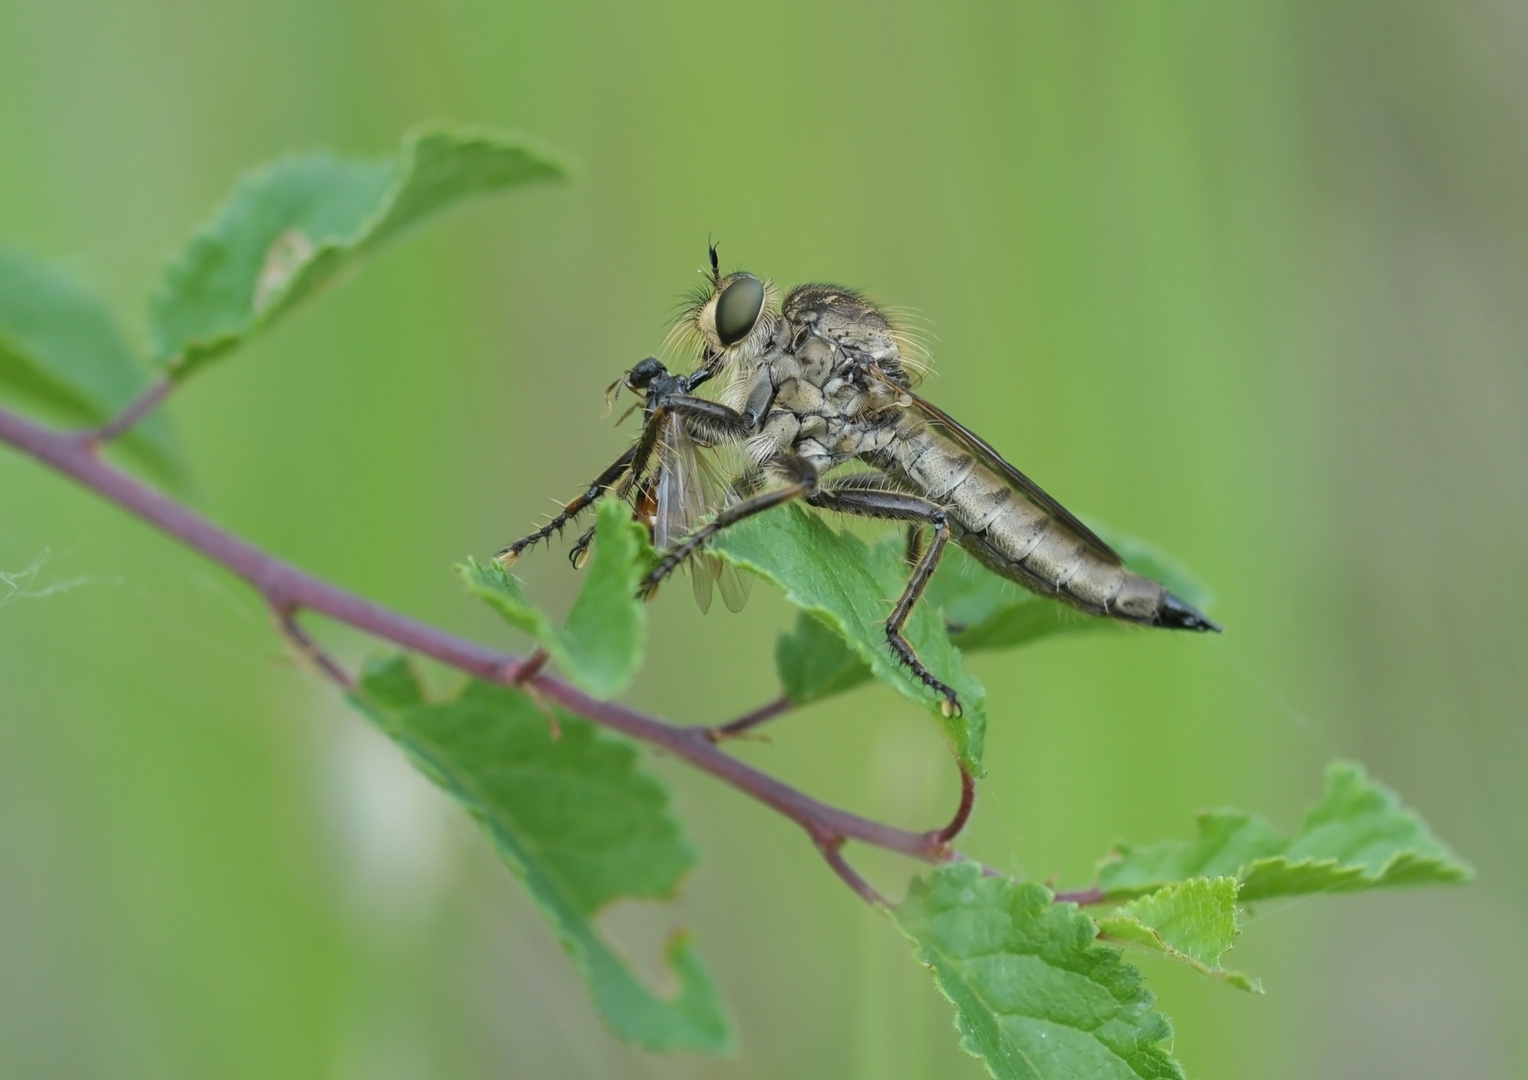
577	822
1359	836
1228	840
296	224
814	663
1193	921
1036	996
982	610
600	647
61	351
850	587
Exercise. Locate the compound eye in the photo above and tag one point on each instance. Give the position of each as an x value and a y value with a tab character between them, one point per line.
738	308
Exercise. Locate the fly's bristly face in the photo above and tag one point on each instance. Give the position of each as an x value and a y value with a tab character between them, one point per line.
730	318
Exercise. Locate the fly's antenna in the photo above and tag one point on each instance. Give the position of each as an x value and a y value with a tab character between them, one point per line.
716	263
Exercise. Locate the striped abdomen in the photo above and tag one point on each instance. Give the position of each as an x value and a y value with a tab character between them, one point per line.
1020	539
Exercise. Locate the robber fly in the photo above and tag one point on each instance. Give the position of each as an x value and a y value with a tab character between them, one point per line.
823	379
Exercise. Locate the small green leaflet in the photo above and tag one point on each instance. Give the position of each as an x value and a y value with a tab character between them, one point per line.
600	647
299	222
850	586
1036	996
1358	836
1194	921
61	350
576	821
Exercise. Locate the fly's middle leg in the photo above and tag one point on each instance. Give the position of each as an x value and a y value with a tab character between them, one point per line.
880	502
914	544
803	485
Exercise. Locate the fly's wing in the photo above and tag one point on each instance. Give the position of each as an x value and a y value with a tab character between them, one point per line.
715	493
979	448
735	584
712	494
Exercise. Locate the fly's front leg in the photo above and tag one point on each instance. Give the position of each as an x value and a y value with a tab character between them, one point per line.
803	485
867	496
709	421
599	486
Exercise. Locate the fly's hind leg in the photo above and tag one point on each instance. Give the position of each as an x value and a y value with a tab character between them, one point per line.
602	483
914	544
873	495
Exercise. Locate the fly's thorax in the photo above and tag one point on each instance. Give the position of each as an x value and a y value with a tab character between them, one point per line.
815	357
843	317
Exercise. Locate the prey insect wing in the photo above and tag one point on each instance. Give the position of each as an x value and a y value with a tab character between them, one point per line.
687	491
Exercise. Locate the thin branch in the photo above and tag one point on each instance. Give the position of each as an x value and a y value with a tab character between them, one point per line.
832	852
963	811
313	652
288	589
136	410
732	729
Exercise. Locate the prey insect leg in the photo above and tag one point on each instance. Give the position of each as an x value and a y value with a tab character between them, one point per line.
867	498
576	506
804	486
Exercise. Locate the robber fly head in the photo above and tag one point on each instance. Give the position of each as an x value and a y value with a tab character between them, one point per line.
730	316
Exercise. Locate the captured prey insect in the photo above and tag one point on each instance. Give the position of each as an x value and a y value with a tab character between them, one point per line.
823	379
673	488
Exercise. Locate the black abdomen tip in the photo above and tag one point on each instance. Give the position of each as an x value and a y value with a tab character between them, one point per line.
1174	614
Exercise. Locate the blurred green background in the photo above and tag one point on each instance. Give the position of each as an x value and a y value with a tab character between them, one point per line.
1245	280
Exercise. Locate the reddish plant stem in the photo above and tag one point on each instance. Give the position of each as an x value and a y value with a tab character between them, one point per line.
312	651
750	720
136	410
832	852
963	811
288	589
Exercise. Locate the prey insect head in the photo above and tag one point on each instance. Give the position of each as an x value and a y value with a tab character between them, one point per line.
642	375
638	379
